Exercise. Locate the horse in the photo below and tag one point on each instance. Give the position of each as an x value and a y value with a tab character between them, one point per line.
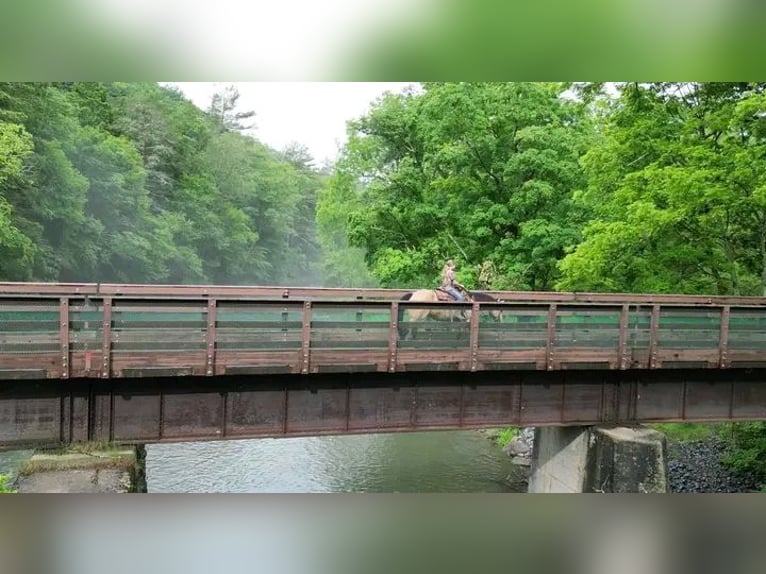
432	296
495	314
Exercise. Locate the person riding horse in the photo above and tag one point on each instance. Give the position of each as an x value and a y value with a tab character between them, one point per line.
410	316
449	284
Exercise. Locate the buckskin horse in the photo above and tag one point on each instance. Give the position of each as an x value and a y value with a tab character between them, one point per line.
436	314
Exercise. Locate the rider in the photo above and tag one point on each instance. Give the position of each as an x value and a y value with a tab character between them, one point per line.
449	284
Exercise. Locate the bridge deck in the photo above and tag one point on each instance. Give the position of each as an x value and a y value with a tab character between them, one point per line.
128	331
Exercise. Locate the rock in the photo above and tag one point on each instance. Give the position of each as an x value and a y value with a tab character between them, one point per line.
697	467
517	447
527	434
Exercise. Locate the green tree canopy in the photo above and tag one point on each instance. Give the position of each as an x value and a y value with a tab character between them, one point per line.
482	173
676	183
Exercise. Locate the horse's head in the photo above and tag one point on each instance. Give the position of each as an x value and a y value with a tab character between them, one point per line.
495	314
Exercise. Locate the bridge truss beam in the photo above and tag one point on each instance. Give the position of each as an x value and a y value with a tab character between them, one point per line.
151	410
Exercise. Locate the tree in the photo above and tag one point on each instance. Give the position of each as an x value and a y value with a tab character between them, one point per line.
482	173
15	145
223	110
676	185
342	264
133	183
15	247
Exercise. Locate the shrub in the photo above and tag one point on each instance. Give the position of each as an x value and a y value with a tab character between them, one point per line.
4	484
506	435
747	452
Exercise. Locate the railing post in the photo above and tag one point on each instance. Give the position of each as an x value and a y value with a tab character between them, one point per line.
723	339
106	339
393	336
306	338
550	341
654	334
210	340
474	334
622	349
64	335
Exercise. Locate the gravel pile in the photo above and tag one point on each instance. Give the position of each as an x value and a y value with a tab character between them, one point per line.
696	467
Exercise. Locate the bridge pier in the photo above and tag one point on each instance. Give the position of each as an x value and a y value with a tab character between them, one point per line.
598	459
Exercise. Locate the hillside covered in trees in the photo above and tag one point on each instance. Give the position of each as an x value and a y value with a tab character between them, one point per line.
638	188
133	183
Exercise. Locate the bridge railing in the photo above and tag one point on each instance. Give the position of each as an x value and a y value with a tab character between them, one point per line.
323	293
67	331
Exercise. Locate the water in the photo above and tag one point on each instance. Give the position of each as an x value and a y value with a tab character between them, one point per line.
447	461
444	461
11	461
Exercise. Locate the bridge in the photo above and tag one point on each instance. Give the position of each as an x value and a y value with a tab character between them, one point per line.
142	363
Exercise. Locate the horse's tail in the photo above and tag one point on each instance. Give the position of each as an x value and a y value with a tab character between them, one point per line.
400	317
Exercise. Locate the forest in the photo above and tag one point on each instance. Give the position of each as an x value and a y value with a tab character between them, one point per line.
646	188
133	183
630	187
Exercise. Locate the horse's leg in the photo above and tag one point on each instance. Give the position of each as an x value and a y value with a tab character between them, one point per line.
403	331
414	316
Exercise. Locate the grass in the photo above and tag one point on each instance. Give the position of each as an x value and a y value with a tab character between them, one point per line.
4	488
688	432
505	436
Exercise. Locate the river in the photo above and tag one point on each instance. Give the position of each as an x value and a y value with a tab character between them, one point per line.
444	461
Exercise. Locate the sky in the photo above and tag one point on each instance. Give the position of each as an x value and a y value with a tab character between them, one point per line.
311	113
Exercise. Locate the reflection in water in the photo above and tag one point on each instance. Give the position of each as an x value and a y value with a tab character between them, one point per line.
448	461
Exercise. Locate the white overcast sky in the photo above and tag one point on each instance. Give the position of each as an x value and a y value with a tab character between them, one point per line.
311	113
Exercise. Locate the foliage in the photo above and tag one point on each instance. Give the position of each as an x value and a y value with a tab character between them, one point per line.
343	264
748	449
132	183
4	484
506	435
481	173
688	432
676	184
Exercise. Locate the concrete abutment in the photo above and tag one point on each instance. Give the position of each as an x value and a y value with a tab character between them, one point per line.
85	469
598	459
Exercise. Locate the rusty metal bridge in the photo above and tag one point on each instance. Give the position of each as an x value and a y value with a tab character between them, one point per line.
141	363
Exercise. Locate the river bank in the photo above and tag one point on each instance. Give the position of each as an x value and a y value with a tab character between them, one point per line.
517	445
694	460
695	466
86	468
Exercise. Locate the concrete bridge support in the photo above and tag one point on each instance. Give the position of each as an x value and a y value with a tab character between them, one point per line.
598	459
88	468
